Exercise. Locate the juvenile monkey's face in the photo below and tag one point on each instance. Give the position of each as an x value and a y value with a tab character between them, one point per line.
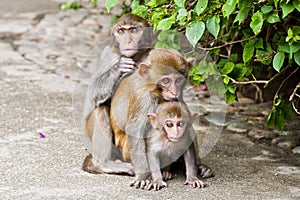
172	85
174	128
128	38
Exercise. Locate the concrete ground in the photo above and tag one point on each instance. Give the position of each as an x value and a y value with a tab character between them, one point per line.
40	51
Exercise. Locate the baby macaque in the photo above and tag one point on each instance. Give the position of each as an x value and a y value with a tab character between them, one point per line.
169	139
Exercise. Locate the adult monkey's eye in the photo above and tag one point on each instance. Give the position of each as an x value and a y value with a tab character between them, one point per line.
169	124
179	80
121	31
134	30
166	80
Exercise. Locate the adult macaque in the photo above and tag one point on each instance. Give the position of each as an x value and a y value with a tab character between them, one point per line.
160	78
170	138
130	44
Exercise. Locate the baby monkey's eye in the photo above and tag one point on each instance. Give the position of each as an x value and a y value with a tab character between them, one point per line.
181	124
169	124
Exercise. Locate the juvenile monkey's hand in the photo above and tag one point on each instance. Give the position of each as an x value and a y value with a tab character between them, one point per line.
195	182
156	185
140	184
126	66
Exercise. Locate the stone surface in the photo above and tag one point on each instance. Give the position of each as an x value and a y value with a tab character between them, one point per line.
296	150
261	134
239	127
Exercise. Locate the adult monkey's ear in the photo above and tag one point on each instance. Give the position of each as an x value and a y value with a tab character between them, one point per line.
191	60
143	69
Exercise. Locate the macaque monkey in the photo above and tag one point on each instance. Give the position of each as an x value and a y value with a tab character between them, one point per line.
170	138
130	44
161	77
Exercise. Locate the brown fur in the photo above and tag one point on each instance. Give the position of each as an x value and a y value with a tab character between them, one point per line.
137	95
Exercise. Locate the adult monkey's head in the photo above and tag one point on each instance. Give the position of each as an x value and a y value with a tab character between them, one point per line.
165	72
129	34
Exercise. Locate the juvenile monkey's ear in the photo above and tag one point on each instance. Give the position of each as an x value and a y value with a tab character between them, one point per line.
193	117
143	69
153	120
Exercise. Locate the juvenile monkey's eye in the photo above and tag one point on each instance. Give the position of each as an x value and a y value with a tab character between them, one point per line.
166	80
169	124
134	30
179	80
181	124
120	31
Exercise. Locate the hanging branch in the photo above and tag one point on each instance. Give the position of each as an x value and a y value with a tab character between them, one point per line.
294	94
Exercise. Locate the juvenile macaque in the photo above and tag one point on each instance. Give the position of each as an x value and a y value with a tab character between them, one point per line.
161	77
130	44
168	139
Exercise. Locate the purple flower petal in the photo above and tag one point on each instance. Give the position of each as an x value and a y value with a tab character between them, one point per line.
84	66
41	135
63	75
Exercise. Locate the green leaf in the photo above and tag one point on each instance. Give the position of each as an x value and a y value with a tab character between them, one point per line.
215	83
271	118
286	111
259	44
228	67
228	7
140	10
294	48
134	4
284	47
290	35
202	67
278	61
181	14
243	4
212	69
296	30
273	18
297	57
226	80
180	3
296	3
242	15
276	3
266	9
286	8
201	6
263	56
213	25
167	35
249	50
238	71
232	89
279	114
257	22
229	97
279	121
166	24
110	4
194	32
